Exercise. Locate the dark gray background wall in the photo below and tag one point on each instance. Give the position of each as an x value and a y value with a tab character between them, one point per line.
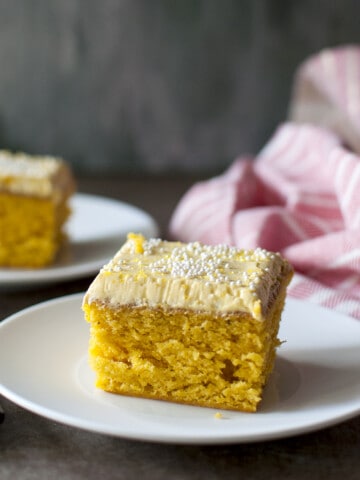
156	85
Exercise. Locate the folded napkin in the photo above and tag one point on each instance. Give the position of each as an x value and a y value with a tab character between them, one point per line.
300	196
326	92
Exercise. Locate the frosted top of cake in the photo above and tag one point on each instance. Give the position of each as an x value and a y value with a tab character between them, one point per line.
190	276
40	176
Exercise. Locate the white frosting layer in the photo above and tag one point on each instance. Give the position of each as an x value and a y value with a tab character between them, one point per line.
220	279
40	176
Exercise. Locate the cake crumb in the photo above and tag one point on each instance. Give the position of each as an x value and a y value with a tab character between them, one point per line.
218	415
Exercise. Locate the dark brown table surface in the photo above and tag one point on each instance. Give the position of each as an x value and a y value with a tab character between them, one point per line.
32	447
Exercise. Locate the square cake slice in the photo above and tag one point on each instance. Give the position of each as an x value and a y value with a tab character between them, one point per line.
187	323
34	194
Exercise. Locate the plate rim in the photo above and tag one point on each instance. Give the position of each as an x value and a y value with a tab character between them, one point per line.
99	427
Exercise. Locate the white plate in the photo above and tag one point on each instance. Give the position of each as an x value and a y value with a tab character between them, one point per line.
43	368
96	229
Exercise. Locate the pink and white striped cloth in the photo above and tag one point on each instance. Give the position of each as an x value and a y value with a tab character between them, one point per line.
300	196
327	92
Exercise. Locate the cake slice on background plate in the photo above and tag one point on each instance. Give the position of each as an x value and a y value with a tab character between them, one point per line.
34	206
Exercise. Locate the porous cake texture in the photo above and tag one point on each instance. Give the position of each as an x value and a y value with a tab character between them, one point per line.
187	323
34	194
